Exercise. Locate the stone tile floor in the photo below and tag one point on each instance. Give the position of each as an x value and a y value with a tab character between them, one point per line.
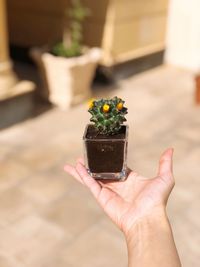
48	220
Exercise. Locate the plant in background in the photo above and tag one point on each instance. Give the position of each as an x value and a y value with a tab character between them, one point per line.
72	37
61	64
108	115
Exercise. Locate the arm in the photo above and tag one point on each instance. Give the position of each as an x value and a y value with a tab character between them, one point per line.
150	243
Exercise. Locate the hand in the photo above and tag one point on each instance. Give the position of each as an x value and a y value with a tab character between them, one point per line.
133	199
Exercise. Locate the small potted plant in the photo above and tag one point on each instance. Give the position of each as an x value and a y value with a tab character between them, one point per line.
106	140
67	68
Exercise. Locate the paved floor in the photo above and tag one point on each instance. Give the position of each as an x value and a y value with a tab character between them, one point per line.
48	220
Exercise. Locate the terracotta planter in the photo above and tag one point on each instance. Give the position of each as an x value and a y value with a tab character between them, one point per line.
67	81
197	91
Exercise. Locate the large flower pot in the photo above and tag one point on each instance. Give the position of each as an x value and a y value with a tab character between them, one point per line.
106	155
67	81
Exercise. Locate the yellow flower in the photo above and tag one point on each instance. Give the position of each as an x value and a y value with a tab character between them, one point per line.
106	108
120	106
91	103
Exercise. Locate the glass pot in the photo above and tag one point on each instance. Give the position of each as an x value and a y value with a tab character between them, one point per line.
106	156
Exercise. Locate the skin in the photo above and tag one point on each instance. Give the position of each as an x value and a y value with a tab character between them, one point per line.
138	207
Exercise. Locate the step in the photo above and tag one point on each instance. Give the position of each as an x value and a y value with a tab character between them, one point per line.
17	103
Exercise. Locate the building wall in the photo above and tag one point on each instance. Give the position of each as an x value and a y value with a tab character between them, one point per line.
139	23
36	23
183	37
123	28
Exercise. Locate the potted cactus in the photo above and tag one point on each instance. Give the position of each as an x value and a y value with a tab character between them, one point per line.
68	67
106	140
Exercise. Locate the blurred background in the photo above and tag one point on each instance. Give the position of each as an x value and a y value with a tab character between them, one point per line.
55	56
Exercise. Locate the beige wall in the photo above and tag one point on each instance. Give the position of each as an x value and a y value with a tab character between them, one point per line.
138	28
183	38
123	28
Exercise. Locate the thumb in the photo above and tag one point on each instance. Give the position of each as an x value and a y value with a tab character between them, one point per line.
166	165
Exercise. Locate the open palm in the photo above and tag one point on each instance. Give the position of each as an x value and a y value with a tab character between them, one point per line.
127	201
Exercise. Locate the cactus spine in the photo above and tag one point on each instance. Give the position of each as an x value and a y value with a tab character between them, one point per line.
108	115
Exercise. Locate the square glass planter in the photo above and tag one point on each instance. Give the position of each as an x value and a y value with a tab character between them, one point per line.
106	156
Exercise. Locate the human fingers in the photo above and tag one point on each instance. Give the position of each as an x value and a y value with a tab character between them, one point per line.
72	171
90	182
166	165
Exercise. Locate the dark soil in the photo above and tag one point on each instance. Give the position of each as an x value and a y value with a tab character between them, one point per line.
92	133
105	153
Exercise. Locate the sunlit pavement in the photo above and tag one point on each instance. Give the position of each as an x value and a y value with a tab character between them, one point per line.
48	220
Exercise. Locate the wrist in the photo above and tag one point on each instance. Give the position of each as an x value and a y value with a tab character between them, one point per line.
150	242
148	226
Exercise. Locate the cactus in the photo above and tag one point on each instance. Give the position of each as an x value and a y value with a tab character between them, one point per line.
108	115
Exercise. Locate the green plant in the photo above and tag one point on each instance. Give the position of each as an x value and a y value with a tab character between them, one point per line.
71	46
108	115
